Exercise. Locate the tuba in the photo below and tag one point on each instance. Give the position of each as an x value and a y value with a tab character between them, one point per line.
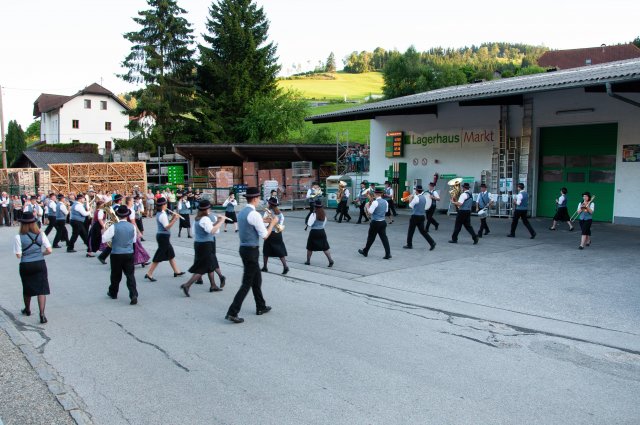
110	218
454	188
278	228
341	187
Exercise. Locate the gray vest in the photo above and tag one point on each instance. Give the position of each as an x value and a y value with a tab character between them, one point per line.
563	204
418	209
122	238
524	205
483	200
381	209
200	234
75	215
60	215
585	215
248	234
230	207
318	224
466	205
31	248
161	229
184	209
51	212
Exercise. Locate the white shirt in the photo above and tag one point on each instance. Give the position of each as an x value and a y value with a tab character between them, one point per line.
255	219
132	214
34	208
107	236
414	201
561	199
17	243
232	202
140	205
309	192
183	204
592	207
63	208
519	198
434	195
52	207
5	202
100	214
374	205
312	219
488	196
463	197
265	215
163	219
390	194
206	223
79	208
346	194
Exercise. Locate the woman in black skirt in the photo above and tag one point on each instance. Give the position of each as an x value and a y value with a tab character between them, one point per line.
95	231
205	260
28	246
562	212
184	209
585	215
317	240
274	244
163	237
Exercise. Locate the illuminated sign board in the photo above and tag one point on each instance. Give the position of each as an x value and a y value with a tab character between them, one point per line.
394	144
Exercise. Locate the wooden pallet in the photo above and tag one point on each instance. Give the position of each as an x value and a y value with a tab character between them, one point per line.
105	176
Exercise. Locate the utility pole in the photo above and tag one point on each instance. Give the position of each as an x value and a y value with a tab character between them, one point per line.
2	139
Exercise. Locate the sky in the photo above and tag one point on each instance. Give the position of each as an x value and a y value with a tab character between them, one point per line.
62	46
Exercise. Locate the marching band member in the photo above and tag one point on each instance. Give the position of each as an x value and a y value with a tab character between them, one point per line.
5	200
418	204
484	201
33	269
313	194
586	208
388	196
230	205
251	229
204	245
562	212
184	209
61	223
343	206
36	209
77	219
521	203
138	209
140	255
378	226
122	236
165	251
95	231
51	213
463	218
274	245
117	201
435	197
362	201
317	239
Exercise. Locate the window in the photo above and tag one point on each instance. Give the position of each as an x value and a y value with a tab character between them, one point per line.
87	104
107	146
576	177
75	123
107	126
103	105
75	141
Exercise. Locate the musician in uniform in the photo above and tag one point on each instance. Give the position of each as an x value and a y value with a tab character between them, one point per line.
165	250
388	196
251	230
274	245
122	236
32	206
435	197
586	209
51	213
230	205
484	201
343	206
61	223
362	201
378	226
184	208
27	247
205	261
317	239
562	212
77	218
138	209
95	231
521	208
117	201
313	194
463	217
418	205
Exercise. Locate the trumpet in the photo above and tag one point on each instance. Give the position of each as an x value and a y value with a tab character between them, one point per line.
583	206
406	199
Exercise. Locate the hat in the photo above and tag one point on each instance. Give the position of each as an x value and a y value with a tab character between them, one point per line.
483	185
378	190
136	197
252	192
318	203
34	198
314	184
117	198
80	195
273	202
432	184
27	217
161	201
90	190
419	188
60	196
465	185
204	205
521	185
122	211
387	182
364	182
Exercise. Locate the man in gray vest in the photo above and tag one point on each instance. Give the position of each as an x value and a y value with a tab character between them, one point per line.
117	201
463	218
251	230
122	236
61	222
521	204
418	205
51	213
77	217
378	226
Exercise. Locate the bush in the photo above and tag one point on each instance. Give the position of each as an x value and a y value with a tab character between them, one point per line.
70	148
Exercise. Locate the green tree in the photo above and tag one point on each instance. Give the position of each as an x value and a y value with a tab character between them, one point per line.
15	140
237	64
162	58
636	41
330	66
271	118
33	132
378	59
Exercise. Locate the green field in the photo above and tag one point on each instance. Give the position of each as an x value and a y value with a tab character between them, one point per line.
353	131
351	86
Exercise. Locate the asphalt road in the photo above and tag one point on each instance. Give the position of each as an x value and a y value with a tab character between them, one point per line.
507	331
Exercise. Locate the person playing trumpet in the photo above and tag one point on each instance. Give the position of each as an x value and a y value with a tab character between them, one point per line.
362	201
418	205
343	206
585	215
274	245
165	250
314	193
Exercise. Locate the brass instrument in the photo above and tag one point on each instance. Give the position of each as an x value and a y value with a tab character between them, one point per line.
341	187
407	198
371	196
278	228
316	193
583	206
110	217
454	188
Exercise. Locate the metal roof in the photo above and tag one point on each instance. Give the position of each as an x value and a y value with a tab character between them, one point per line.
613	72
231	154
43	159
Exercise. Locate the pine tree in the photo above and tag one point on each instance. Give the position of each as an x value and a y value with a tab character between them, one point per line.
237	64
331	63
162	58
15	140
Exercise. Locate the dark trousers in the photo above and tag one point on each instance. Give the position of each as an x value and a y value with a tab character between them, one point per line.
78	229
521	214
61	233
4	216
463	218
343	211
139	224
122	263
251	279
362	212
104	254
392	208
418	221
483	227
51	225
430	220
378	228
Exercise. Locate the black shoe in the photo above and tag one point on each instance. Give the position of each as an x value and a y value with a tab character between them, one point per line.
452	241
486	232
152	279
110	295
215	289
571	229
43	319
189	237
386	257
25	312
185	290
199	282
533	236
552	228
432	247
178	274
56	246
580	247
223	280
71	250
330	263
361	251
234	319
436	226
285	270
480	234
102	260
237	232
308	263
511	236
408	247
225	230
265	310
141	239
264	269
475	240
134	301
358	222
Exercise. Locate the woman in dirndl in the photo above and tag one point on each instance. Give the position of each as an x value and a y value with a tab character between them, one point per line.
317	240
95	231
27	247
165	251
562	211
140	255
274	244
205	260
184	208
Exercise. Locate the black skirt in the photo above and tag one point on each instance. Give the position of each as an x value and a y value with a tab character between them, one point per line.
186	223
205	260
562	215
165	250
231	215
274	246
585	227
34	278
317	240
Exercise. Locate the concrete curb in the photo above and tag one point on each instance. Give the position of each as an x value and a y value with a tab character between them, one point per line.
67	398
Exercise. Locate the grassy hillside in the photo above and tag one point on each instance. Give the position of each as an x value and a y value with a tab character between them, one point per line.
336	85
358	131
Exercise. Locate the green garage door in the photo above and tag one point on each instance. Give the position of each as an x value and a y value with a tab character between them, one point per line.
581	158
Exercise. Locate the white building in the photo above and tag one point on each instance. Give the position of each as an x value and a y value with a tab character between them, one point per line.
93	115
576	128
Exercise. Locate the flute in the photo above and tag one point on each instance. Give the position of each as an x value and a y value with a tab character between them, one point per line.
174	213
